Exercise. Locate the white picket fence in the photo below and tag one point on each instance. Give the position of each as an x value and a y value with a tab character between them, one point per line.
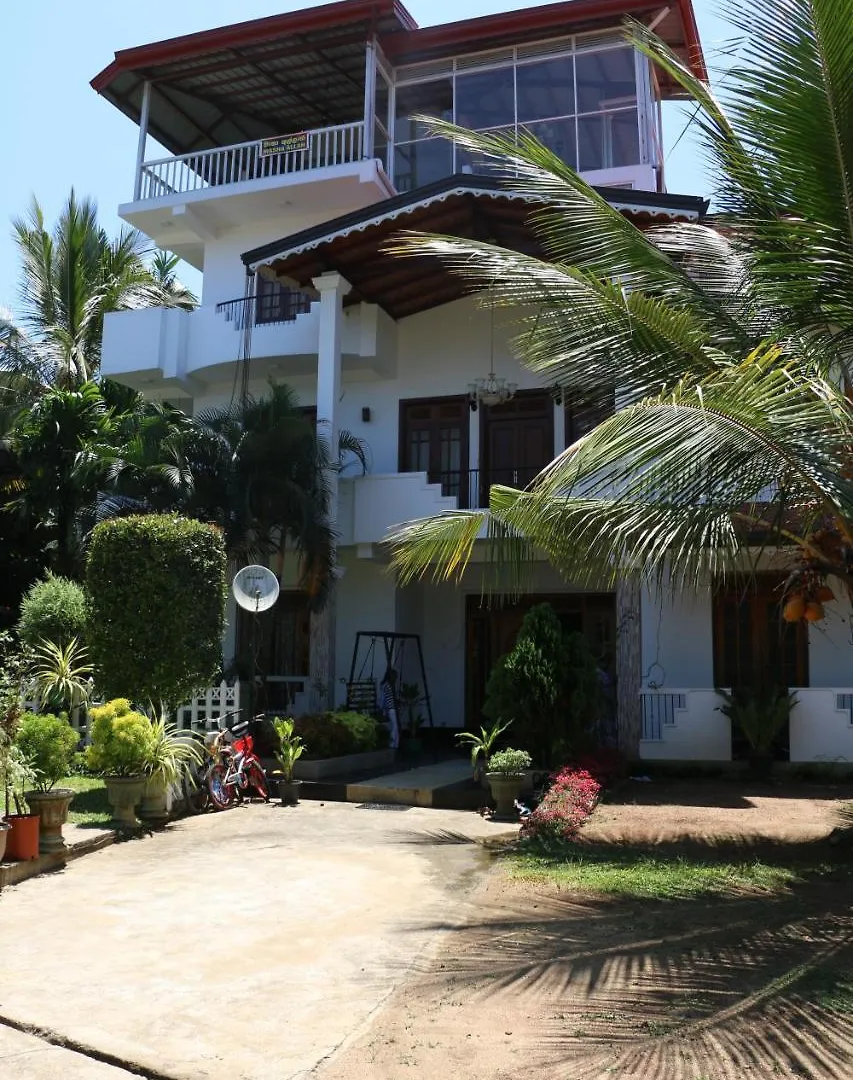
209	706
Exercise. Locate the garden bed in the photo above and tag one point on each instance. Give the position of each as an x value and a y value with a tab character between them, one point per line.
323	768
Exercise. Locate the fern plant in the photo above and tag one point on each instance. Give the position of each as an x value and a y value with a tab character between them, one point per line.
761	717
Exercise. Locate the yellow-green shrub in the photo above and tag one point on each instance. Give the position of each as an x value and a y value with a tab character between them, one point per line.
122	740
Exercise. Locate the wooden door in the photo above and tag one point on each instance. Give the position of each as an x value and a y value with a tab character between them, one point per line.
516	441
434	440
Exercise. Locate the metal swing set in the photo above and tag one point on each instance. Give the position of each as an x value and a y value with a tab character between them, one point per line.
362	691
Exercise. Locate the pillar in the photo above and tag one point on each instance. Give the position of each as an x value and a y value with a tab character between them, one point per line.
143	138
332	288
629	670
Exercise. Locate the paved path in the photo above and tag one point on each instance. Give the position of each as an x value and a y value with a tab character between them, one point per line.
249	945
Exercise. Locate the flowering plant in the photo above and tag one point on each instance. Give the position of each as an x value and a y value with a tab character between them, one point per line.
567	805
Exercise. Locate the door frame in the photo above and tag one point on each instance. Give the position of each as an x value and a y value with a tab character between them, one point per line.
485	419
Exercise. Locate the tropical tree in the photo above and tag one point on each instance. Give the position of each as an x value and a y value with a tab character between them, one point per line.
71	276
259	471
729	343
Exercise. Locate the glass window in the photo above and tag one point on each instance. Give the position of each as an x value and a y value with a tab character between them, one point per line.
423	99
382	100
606	80
486	99
419	163
558	136
609	140
545	89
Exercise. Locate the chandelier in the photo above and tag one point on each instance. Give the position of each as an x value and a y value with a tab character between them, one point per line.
493	389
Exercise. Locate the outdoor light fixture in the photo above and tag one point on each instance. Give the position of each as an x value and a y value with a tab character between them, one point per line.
493	389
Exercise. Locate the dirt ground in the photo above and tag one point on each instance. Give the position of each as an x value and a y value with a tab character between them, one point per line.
539	982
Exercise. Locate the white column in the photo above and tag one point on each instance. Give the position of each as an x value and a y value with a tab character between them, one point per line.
369	97
143	138
332	288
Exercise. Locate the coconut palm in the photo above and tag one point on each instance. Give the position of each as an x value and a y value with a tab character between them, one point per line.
71	276
729	344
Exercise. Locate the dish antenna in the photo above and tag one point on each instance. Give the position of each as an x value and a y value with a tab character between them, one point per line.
255	589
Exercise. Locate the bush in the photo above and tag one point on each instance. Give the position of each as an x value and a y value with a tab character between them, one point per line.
47	744
334	734
509	762
53	610
123	741
567	804
548	685
156	615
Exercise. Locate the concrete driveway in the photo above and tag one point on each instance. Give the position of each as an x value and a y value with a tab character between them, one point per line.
250	944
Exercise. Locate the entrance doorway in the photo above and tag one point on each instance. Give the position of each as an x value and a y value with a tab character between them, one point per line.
491	632
516	441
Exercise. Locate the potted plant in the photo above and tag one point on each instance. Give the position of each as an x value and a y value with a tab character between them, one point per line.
482	746
290	750
761	717
122	747
505	773
21	834
47	744
173	753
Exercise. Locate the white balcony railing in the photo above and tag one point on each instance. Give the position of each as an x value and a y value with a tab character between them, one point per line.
339	145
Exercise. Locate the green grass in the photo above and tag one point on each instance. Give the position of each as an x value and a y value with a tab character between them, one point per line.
89	806
829	989
643	875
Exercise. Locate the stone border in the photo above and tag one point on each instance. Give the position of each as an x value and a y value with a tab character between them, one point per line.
11	873
338	766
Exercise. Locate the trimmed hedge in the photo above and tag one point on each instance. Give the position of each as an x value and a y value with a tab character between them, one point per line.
157	589
53	610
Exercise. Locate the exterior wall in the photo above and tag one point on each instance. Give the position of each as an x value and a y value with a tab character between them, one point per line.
677	636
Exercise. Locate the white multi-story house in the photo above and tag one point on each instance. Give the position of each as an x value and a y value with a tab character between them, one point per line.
291	159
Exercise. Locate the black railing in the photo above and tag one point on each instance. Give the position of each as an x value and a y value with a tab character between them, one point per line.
280	307
470	487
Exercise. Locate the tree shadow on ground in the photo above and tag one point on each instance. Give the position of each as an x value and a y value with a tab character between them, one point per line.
693	987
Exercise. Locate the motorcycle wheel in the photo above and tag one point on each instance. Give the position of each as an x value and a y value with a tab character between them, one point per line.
257	780
221	794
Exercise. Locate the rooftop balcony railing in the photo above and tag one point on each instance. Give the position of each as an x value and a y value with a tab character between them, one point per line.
282	306
342	144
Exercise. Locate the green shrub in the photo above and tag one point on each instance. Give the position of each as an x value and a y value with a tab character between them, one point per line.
335	734
47	744
53	610
156	614
509	762
123	741
548	685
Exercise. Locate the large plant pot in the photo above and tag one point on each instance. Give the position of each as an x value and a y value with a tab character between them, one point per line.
22	839
125	794
4	832
154	805
52	809
505	790
289	791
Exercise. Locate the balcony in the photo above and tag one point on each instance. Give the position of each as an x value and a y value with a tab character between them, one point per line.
187	201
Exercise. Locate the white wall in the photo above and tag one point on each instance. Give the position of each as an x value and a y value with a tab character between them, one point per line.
821	732
366	601
677	639
700	732
831	645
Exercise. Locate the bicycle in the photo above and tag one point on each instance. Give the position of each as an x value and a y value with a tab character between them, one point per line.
234	766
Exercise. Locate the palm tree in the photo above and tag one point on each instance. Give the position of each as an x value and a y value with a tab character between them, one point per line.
70	278
259	471
729	344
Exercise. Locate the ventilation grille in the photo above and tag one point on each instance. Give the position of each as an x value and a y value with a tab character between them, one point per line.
596	40
544	48
489	59
424	71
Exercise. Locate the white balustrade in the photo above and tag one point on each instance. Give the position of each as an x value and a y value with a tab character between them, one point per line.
204	169
216	701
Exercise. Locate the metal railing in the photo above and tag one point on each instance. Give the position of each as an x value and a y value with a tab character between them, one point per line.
338	145
659	711
265	310
470	487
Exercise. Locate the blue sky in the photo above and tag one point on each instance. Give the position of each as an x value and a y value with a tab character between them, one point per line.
57	132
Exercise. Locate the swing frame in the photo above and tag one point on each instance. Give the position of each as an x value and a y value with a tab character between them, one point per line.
389	639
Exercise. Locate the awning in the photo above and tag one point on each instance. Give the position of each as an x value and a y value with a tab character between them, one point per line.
467	206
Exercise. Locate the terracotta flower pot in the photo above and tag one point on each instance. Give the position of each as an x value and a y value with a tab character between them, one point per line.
52	809
124	793
505	790
22	840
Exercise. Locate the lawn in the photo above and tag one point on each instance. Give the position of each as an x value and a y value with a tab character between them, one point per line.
634	872
89	805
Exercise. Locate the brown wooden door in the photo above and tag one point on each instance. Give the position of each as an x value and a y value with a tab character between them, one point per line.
434	440
516	441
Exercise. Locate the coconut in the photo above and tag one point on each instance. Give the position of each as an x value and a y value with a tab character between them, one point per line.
825	594
795	609
814	611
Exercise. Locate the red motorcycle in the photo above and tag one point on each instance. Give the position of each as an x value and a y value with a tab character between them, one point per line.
234	768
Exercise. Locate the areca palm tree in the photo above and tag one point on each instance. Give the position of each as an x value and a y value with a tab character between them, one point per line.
729	344
71	276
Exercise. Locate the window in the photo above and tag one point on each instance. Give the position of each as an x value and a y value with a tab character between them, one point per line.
584	414
582	104
276	303
434	440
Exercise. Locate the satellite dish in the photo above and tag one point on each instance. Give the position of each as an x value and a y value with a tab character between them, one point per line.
255	588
